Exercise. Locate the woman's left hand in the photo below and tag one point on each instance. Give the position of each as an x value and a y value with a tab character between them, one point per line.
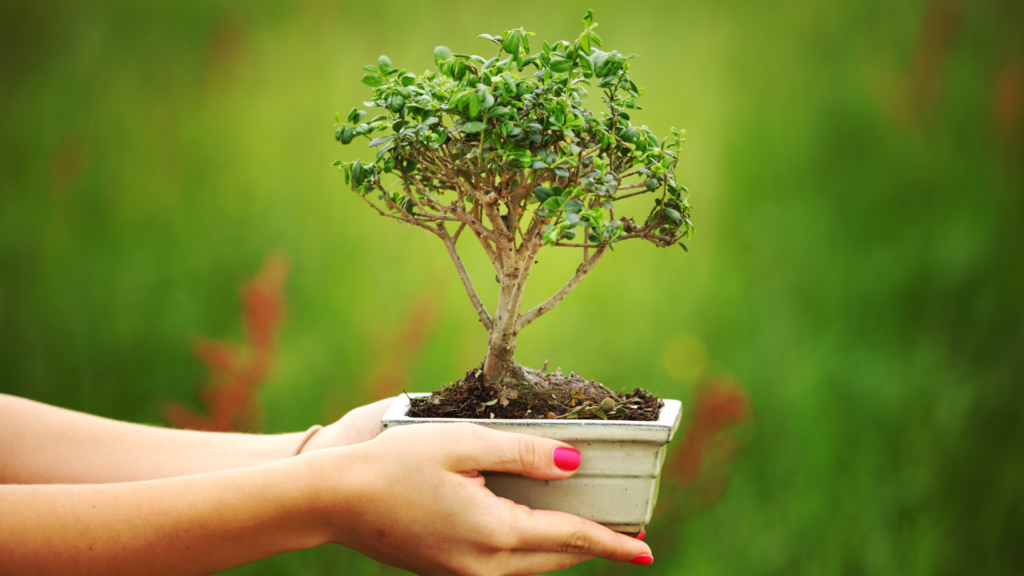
359	425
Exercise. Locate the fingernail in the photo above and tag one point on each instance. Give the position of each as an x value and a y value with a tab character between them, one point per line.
641	535
567	458
643	560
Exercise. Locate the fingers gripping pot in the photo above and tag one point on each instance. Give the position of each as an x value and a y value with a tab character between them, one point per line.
617	481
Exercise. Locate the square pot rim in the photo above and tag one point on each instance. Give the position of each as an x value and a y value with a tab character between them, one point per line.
661	430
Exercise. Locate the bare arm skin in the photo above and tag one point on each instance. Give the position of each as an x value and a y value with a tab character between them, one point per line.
413	497
188	525
41	444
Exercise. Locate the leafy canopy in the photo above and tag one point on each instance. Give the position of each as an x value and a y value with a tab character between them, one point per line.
511	130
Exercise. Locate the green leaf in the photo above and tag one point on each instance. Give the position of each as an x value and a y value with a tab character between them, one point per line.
600	414
384	63
442	53
588	18
630	135
370	68
373	80
543	193
346	134
573	206
379	141
357	173
472	127
672	215
511	44
552	204
683	246
560	65
491	403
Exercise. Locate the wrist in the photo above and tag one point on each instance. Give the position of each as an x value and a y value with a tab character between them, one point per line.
333	483
311	479
265	448
306	437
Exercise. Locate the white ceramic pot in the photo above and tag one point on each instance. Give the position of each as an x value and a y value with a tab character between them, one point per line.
617	482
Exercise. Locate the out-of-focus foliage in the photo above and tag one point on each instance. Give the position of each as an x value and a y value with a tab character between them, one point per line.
236	371
856	167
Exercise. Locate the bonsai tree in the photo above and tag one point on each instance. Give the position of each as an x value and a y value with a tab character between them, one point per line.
504	148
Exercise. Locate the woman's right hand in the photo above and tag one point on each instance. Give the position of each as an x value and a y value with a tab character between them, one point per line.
414	498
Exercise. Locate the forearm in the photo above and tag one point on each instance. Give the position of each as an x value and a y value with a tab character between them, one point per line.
191	525
42	444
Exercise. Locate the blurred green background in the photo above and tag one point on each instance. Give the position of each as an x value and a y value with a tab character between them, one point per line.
857	177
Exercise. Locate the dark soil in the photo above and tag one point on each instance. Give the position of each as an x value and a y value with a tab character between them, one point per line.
560	397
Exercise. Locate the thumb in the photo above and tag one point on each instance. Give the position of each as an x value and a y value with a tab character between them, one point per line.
532	456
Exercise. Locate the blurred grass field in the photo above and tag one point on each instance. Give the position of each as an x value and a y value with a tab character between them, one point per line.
857	180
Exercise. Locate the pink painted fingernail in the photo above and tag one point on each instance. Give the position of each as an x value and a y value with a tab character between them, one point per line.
643	560
641	535
567	458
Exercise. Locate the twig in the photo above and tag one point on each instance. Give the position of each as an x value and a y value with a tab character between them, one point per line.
550	303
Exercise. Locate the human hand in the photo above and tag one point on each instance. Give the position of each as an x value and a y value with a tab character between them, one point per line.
416	500
358	425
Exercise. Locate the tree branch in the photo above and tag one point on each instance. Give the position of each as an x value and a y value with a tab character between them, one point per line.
489	250
630	195
438	217
657	239
462	215
481	310
408	192
512	317
501	235
550	303
632	186
402	215
531	233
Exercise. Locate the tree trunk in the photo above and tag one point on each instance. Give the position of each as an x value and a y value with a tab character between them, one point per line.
500	367
501	347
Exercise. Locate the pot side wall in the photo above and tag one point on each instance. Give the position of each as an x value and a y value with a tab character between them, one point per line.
620	468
